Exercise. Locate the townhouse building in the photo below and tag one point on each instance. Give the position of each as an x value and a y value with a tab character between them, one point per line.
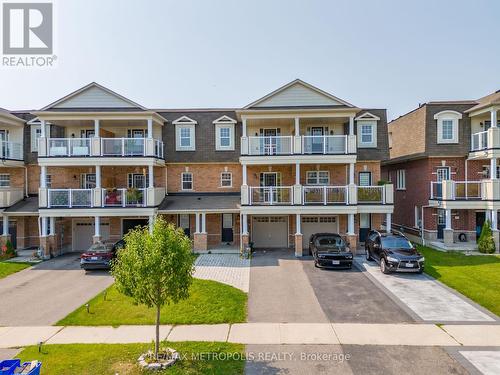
443	161
95	164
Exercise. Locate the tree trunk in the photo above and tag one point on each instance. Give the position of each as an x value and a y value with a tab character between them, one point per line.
157	343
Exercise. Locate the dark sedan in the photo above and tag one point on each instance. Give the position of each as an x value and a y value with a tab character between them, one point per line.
330	251
100	255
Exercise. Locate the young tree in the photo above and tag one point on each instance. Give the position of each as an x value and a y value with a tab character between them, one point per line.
486	243
155	269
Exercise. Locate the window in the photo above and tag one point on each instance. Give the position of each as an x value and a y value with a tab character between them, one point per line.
87	181
185	137
447	130
224	134
48	181
187	181
4	180
365	178
318	178
137	180
447	126
418	222
443	173
226	179
401	179
367	134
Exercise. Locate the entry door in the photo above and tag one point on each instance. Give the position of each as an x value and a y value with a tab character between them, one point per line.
137	180
136	145
269	179
364	226
227	227
442	173
365	178
480	219
4	152
441	223
317	140
270	141
184	223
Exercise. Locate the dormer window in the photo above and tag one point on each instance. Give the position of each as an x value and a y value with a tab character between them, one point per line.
447	126
224	133
185	128
367	130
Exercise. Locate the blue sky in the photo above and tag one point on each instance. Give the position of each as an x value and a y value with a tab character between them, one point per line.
190	54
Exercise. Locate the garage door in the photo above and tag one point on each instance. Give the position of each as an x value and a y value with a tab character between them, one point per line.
317	224
270	231
83	231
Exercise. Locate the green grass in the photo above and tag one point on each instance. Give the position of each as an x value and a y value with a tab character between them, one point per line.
475	276
7	268
210	302
91	359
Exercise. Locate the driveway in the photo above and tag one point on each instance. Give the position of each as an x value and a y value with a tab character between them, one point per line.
47	292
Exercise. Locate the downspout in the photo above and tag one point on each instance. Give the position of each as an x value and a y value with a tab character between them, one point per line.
26	181
423	226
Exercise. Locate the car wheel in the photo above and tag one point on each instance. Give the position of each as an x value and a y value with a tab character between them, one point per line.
368	256
383	266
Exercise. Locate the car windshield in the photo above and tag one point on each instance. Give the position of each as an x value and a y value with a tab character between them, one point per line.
100	249
396	243
333	242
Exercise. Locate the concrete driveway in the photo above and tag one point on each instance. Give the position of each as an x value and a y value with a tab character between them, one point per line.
47	292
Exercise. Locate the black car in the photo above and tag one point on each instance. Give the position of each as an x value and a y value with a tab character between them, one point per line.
330	251
394	252
100	255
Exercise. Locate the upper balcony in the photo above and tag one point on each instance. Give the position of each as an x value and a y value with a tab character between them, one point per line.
11	140
465	194
485	138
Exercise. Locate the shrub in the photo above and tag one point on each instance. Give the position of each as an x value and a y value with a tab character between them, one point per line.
8	251
486	245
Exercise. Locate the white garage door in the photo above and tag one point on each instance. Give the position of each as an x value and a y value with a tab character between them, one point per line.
83	231
318	224
270	231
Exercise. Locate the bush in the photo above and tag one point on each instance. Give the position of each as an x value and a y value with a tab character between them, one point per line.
8	251
486	245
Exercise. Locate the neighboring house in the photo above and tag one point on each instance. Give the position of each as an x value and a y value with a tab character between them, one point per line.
295	162
441	158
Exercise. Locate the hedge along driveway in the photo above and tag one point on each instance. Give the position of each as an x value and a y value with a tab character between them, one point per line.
210	302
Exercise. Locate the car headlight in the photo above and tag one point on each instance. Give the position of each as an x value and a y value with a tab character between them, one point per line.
421	259
321	256
391	259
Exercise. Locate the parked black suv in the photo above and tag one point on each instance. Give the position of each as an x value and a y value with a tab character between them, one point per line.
330	251
394	252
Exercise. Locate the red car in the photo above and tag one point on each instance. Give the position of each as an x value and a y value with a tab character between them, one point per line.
99	256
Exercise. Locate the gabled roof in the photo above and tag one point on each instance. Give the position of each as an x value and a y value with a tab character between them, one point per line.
298	94
486	101
225	120
8	117
93	96
184	120
367	116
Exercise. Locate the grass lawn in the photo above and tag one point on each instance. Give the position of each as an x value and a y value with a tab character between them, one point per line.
7	268
210	303
91	359
475	276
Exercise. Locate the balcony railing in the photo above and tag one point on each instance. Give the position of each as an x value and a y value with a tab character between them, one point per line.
124	198
11	150
271	195
69	146
10	195
371	194
324	144
70	198
479	141
273	145
457	190
436	190
123	147
325	195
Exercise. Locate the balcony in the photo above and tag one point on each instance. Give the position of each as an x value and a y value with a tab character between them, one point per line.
271	195
488	140
325	195
9	196
100	147
124	197
479	141
458	190
70	198
301	145
11	150
372	194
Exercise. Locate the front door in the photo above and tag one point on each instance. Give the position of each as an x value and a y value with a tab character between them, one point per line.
442	173
270	141
227	228
441	223
480	219
364	226
269	180
365	179
136	145
184	223
317	140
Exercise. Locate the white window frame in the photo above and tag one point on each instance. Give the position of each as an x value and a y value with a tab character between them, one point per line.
36	132
5	178
230	179
447	116
182	180
178	130
401	179
85	182
218	137
48	181
373	125
314	175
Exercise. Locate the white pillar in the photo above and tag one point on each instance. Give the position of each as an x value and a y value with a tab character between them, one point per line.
43	176
96	127
493	168
42	128
388	222
494	219
244	127
245	223
351	173
5	225
350	224
297	126
98	176
298	224
351	125
151	224
97	226
203	222
151	176
448	219
197	224
150	128
44	226
297	173
52	226
244	174
493	118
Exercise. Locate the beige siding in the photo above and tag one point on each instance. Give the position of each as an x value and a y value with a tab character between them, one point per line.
297	95
94	97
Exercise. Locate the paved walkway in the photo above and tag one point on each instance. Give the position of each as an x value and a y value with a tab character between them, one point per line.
225	268
487	362
263	333
426	297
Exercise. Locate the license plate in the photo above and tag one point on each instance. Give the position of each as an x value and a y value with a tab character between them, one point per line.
93	258
409	265
335	262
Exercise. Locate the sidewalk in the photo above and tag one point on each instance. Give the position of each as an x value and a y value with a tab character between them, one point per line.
263	333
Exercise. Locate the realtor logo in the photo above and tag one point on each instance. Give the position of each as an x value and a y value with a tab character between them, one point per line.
27	28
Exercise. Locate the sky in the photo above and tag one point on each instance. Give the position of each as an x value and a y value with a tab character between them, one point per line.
226	54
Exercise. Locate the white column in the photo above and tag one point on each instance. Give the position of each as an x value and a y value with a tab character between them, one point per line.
298	224
244	174
197	224
388	222
244	127
297	126
44	226
42	128
98	176
493	118
493	168
5	225
96	127
351	125
97	226
351	173
448	219
52	229
297	173
350	224
151	223
150	128
151	176
43	176
203	222
245	223
494	219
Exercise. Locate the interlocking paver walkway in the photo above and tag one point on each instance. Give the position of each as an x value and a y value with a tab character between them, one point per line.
225	268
